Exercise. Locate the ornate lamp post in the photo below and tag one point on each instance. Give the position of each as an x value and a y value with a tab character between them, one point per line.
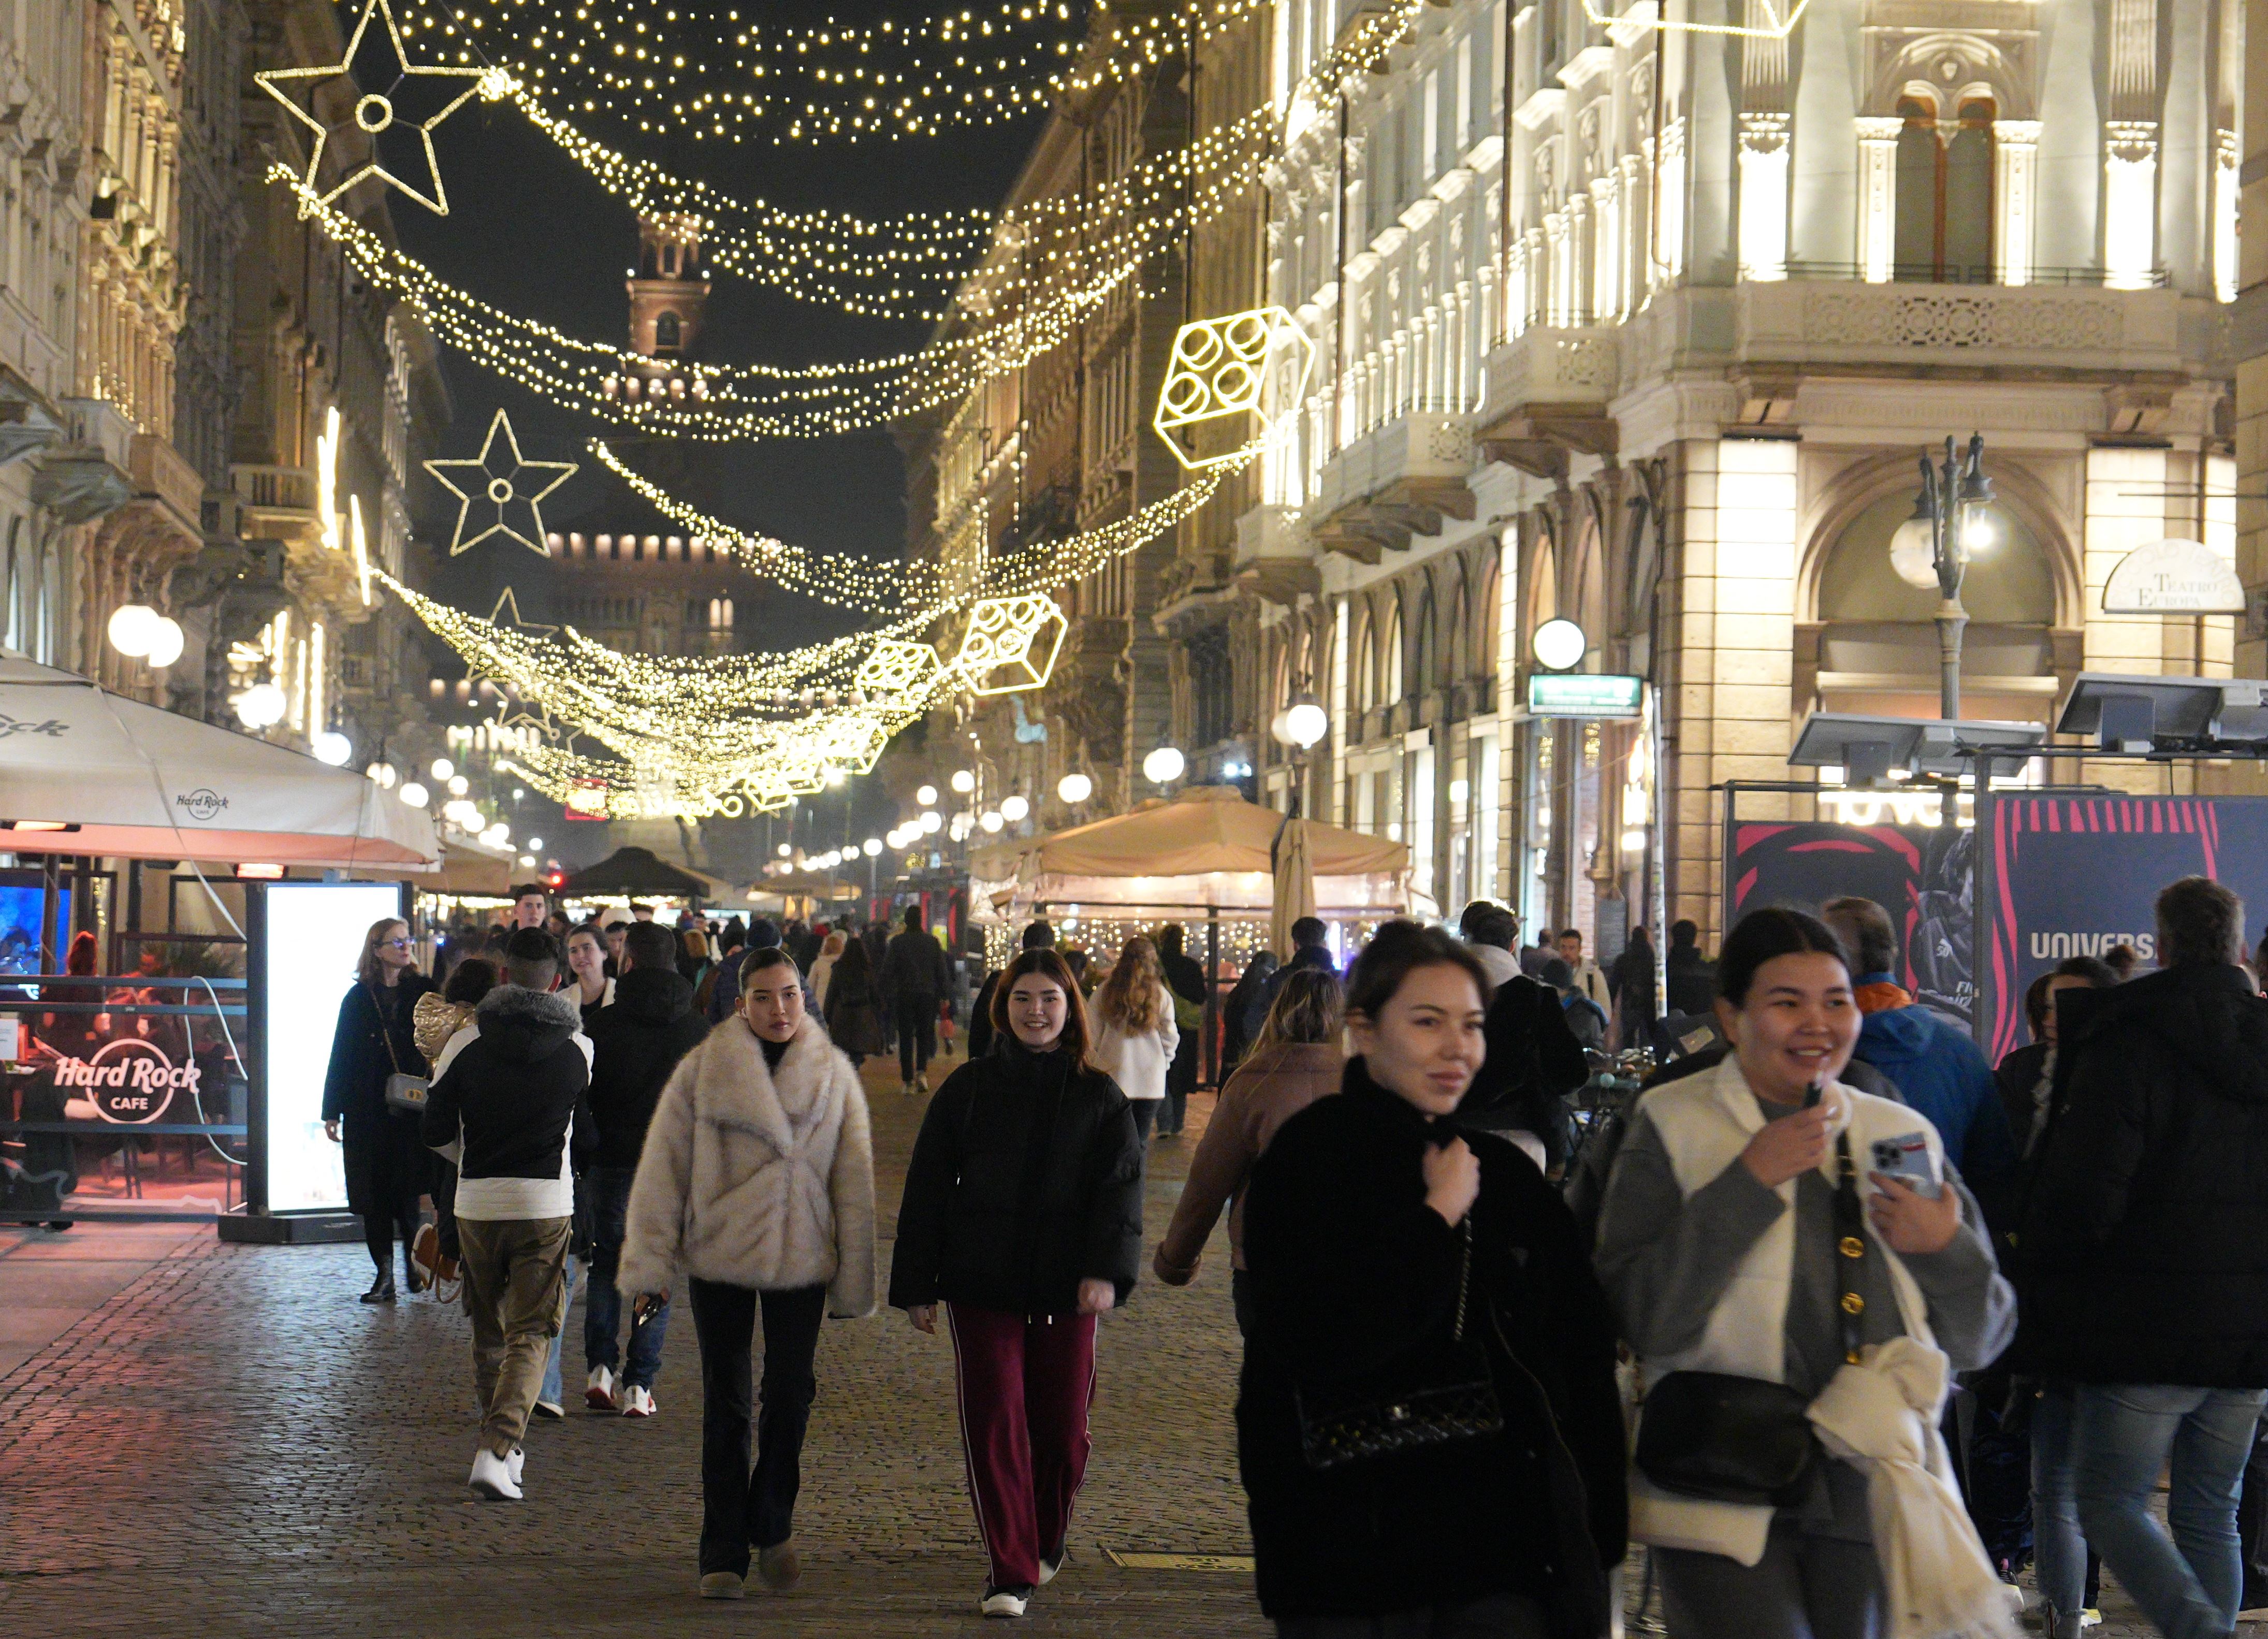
1948	520
1298	727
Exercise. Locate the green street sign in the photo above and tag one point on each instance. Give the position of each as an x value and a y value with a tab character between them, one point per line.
1584	694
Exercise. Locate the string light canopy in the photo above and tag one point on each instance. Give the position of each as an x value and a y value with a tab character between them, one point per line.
719	74
510	486
372	113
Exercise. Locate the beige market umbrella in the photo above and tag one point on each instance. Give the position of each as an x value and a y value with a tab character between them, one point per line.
1295	885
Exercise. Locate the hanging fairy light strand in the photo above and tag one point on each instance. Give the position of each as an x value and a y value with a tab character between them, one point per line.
716	73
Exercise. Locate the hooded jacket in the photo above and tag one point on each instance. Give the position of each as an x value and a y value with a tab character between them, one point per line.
2143	1242
757	1178
1944	1075
511	1092
1534	1059
636	1044
1025	1180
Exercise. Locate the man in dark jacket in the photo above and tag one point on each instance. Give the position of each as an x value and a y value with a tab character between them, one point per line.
2143	1240
635	1046
506	1105
1534	1060
1692	976
1038	935
913	977
1185	982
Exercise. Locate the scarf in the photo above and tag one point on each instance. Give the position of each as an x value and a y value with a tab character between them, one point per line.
1881	1416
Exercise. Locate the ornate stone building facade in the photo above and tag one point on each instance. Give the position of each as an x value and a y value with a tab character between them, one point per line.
1643	328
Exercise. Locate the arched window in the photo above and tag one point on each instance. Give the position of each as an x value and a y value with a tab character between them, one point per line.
666	329
720	614
1944	224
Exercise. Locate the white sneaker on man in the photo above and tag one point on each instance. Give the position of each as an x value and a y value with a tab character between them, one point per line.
516	1464
637	1401
599	1392
492	1477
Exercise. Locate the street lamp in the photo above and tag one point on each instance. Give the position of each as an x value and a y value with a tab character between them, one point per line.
1948	525
963	782
1013	809
1075	788
926	797
1164	765
1297	727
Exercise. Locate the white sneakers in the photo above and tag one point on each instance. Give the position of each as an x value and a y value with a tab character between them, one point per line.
496	1478
516	1464
637	1401
1004	1601
599	1392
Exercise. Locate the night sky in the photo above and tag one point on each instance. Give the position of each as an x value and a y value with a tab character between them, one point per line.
530	232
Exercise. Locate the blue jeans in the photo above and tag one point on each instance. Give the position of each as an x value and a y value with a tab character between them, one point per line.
2122	1435
552	1386
2058	1549
602	1309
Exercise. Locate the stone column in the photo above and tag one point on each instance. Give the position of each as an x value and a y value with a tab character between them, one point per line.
2015	154
1878	195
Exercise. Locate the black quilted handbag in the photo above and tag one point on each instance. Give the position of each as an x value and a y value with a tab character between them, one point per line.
1440	1394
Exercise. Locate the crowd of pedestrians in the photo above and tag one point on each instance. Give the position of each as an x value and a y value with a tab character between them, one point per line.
1843	1324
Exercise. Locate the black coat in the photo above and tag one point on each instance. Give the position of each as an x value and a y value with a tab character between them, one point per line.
385	1163
2143	1236
980	1017
1533	1062
1025	1180
915	966
635	1046
1348	1266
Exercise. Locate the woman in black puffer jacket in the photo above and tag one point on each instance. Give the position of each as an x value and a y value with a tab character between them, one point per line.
1022	1215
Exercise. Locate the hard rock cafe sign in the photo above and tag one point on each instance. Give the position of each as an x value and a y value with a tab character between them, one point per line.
128	1081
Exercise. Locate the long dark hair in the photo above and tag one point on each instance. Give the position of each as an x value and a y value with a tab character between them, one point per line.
1396	951
1078	1035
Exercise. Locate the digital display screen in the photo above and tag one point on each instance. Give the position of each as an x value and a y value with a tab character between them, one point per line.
19	927
315	935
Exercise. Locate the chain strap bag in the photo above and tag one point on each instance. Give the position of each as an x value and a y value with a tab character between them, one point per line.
405	1094
1725	1438
1450	1395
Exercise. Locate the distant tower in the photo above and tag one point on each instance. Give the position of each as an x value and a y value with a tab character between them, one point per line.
668	290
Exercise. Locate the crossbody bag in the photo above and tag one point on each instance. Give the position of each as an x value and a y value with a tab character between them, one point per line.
1725	1438
1447	1393
405	1094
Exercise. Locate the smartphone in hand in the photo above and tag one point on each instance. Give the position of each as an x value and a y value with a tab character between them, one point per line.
1908	1160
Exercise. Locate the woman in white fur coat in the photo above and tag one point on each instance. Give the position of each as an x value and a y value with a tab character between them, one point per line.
757	1183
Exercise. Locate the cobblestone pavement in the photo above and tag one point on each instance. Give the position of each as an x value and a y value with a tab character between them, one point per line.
234	1445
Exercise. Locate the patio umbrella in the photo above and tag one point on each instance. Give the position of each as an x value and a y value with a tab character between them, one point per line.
1295	885
86	772
640	871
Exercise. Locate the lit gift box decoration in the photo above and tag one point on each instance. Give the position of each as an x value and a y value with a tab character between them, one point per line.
896	670
1011	644
1224	371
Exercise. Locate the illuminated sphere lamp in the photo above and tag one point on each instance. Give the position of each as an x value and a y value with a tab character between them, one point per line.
931	822
414	795
164	643
133	628
873	847
1164	765
1014	808
443	768
1559	644
1913	553
459	784
1302	723
990	820
1075	787
330	746
963	782
784	851
536	843
926	797
260	706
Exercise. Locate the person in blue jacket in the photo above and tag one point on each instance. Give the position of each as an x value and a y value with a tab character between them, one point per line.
1936	1067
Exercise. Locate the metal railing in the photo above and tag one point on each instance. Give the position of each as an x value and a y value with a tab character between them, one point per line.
1930	273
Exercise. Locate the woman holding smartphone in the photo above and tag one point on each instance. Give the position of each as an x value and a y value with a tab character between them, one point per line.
1734	1243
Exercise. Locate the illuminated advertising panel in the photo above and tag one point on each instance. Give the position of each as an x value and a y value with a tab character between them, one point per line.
312	937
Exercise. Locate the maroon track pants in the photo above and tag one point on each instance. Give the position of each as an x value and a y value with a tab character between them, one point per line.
1025	1386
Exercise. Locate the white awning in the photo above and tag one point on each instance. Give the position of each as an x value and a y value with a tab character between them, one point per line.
136	782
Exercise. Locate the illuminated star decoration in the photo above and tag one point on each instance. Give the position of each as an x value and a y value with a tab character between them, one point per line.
373	112
520	482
